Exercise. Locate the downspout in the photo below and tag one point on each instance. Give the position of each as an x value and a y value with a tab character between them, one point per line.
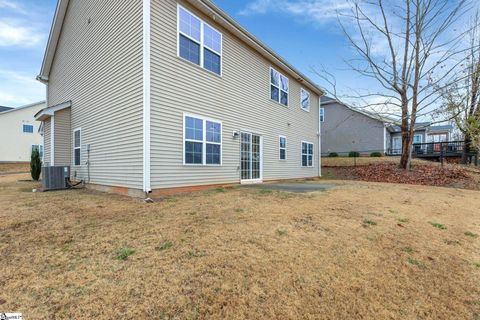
319	138
146	96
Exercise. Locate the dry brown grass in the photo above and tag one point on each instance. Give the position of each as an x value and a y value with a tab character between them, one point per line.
361	161
14	167
359	251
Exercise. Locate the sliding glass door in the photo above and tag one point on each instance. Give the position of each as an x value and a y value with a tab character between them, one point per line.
250	158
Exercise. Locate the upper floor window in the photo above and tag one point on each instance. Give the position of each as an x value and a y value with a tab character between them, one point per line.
322	114
203	141
282	147
307	154
278	87
28	128
305	99
198	42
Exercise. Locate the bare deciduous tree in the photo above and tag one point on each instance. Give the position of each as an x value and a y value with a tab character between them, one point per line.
462	98
420	46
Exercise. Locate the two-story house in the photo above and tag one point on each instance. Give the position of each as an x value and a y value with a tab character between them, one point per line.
158	94
20	133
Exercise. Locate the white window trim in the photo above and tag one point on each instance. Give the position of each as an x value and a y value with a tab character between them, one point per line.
204	141
278	87
418	135
30	125
301	154
280	148
79	147
309	99
201	44
322	114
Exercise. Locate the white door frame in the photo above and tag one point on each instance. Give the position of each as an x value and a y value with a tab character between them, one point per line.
251	181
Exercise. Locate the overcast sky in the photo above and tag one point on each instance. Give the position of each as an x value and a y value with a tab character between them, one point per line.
304	32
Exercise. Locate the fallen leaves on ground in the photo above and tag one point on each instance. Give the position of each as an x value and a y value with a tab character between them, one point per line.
419	174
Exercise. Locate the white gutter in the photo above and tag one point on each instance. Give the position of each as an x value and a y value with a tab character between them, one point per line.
319	138
146	96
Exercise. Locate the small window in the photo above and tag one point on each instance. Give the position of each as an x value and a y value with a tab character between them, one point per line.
307	154
39	148
192	31
279	85
305	99
77	142
417	138
203	141
322	114
282	148
27	128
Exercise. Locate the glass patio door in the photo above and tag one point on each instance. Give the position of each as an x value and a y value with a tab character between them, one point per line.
250	158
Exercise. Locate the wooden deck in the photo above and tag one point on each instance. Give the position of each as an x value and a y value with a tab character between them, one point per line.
438	150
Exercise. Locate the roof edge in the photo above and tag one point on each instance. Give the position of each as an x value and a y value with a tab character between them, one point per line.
46	113
23	107
258	45
53	37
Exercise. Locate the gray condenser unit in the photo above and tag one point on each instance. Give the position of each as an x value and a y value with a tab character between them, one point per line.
55	178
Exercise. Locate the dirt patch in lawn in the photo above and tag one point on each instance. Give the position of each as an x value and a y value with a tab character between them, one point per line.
358	251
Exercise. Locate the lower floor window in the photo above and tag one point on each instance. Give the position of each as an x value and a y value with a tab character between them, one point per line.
77	153
39	148
307	154
203	141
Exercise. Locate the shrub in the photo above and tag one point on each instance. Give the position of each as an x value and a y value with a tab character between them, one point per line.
354	154
333	155
35	165
375	154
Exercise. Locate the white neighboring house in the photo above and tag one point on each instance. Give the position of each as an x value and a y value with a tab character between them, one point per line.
20	133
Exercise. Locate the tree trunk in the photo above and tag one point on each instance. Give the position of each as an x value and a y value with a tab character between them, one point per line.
466	148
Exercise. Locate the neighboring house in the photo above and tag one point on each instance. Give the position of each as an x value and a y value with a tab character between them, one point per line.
345	129
152	95
19	133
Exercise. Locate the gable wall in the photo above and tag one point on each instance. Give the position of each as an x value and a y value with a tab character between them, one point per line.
98	66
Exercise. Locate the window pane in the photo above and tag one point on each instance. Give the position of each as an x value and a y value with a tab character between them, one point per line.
304	160
310	161
213	153
304	148
77	156
193	152
211	61
214	132
284	98
77	139
212	39
27	128
189	25
193	128
274	93
274	77
283	142
189	50
284	82
283	154
305	97
310	148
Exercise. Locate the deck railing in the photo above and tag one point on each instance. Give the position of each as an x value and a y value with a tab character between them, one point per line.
448	148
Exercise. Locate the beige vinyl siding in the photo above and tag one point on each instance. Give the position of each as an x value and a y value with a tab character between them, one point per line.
63	138
47	139
240	99
98	67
